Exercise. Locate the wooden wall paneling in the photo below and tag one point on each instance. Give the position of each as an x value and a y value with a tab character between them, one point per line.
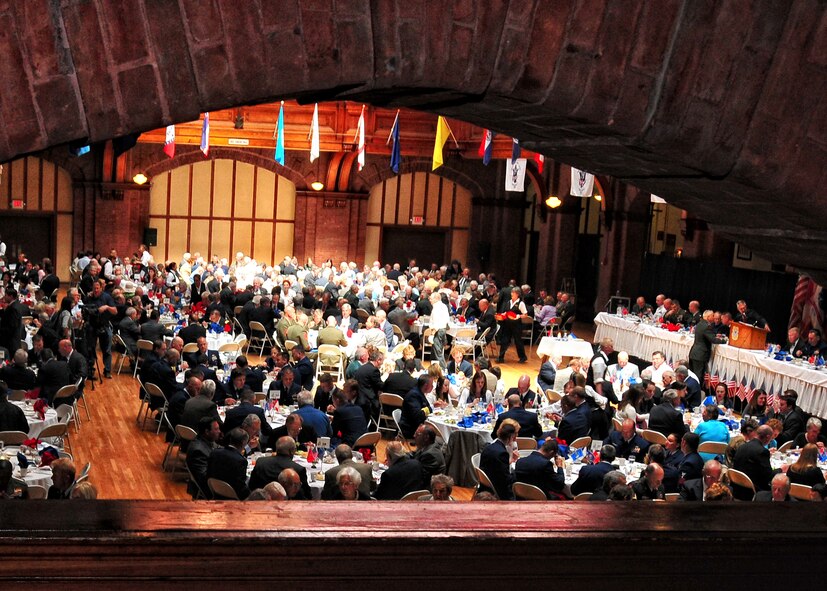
275	202
31	180
402	198
200	237
222	177
179	197
233	242
284	240
49	187
63	246
263	242
286	200
389	200
178	242
15	172
220	238
190	198
431	207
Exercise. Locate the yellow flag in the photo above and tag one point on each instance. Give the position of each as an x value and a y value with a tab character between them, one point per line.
442	132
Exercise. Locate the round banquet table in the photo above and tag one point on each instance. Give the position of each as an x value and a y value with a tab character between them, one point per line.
34	475
36	425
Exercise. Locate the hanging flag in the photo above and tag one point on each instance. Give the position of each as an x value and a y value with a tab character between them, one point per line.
515	174
205	135
279	155
442	133
314	134
486	146
396	156
582	183
516	150
360	132
169	142
806	312
540	160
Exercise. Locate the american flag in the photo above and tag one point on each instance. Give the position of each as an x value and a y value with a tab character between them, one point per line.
741	391
806	312
731	386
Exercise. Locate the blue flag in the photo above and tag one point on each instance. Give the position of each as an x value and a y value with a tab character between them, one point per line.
279	156
205	135
486	146
396	156
515	149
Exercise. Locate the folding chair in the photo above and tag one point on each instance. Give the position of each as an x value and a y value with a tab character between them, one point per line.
258	335
649	435
528	492
144	347
222	489
155	391
415	495
739	479
330	359
464	337
118	340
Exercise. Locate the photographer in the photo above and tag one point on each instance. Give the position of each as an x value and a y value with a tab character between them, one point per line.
98	312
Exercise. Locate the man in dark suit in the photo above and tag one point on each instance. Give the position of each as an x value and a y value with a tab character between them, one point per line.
529	422
212	357
693	464
200	404
286	387
428	452
496	459
753	459
694	489
194	330
791	416
401	382
528	397
701	349
152	330
627	442
17	376
263	314
52	376
303	367
349	422
198	454
163	374
78	369
12	417
779	491
665	418
403	475
268	468
129	330
415	406
229	464
236	414
486	320
693	394
11	320
576	421
295	428
590	478
749	316
369	380
538	469
344	457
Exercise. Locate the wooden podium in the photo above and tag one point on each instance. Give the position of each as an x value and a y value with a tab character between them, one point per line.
746	336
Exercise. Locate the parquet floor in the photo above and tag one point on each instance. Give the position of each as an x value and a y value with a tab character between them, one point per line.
126	460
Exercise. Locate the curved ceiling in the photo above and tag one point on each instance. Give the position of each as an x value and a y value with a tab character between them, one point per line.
715	106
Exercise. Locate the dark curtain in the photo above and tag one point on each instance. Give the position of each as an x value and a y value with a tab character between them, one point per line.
718	286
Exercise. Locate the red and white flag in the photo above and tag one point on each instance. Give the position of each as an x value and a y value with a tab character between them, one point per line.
540	160
360	132
314	134
806	312
169	142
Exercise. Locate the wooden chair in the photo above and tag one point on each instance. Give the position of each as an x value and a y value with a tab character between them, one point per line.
784	446
801	492
330	359
118	340
553	396
144	347
387	404
13	437
36	492
528	492
712	447
415	495
427	342
58	432
649	435
221	489
738	478
464	337
584	496
155	391
528	443
580	442
259	336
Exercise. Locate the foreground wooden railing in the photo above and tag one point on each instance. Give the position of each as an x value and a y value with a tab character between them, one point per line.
210	545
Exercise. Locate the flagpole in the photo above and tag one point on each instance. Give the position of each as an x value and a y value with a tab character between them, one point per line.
390	135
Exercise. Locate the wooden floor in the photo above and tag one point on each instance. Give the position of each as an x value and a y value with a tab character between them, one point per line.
126	460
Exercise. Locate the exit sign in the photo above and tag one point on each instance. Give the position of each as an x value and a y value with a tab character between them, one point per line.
18	204
417	220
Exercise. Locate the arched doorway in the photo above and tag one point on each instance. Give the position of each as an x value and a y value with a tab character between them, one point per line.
218	207
418	215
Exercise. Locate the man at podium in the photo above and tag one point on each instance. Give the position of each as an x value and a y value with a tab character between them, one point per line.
750	317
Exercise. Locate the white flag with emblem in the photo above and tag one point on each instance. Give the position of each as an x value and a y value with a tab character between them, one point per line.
582	183
515	174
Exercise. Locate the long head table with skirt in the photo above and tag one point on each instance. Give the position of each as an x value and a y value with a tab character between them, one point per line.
753	368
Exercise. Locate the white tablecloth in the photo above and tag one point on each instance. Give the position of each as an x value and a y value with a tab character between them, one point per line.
35	424
752	368
564	347
34	475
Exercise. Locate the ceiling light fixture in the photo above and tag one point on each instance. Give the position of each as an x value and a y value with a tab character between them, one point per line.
140	179
553	201
317	185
